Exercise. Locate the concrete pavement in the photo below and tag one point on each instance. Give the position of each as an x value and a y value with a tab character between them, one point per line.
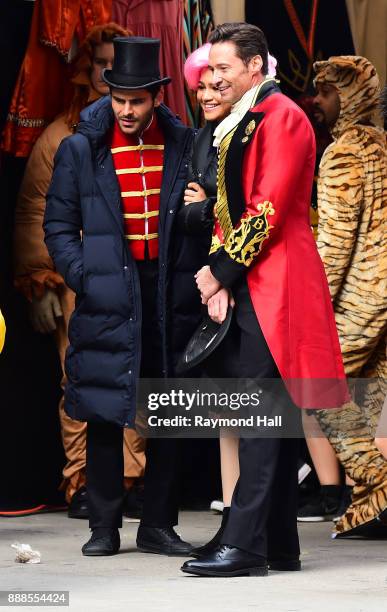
338	576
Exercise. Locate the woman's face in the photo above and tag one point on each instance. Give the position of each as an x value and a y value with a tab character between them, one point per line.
210	99
103	57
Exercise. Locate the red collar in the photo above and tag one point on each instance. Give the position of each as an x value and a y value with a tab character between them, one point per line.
151	135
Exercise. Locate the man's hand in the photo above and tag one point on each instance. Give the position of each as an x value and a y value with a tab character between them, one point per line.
44	311
207	283
218	305
194	193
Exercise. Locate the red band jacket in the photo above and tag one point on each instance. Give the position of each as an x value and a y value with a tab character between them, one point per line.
262	229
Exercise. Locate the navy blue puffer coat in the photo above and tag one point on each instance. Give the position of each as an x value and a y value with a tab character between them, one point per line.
103	359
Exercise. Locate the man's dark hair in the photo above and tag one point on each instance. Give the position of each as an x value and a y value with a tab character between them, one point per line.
153	90
248	39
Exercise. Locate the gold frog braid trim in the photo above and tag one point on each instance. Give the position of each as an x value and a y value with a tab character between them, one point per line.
215	244
222	210
245	242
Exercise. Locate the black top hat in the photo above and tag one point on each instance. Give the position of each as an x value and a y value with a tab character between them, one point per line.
204	341
136	64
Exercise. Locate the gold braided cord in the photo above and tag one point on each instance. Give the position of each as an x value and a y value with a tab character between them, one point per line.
144	215
222	209
142	170
143	147
141	236
136	194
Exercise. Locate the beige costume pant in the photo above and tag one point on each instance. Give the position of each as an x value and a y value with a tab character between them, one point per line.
74	432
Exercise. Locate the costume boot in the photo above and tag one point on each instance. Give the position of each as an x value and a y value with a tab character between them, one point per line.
349	433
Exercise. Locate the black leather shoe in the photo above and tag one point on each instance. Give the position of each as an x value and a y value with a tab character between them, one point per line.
285	563
212	545
103	542
227	561
162	541
78	507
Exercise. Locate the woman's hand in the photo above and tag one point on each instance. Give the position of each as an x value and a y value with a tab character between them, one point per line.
218	305
207	284
194	193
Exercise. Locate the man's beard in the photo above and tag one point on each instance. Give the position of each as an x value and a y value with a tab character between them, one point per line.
139	126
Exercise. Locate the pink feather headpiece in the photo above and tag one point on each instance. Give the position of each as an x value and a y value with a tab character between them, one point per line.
272	65
195	64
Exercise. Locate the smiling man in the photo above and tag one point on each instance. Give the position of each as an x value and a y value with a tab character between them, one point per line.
120	181
264	256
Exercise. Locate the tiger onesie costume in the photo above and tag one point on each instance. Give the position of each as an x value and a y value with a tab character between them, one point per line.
352	240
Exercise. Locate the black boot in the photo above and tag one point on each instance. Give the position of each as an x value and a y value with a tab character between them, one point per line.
103	542
162	541
78	507
322	508
346	500
212	545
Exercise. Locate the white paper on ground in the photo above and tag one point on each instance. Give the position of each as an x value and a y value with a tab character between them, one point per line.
25	554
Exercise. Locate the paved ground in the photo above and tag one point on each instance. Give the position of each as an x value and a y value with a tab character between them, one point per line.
338	576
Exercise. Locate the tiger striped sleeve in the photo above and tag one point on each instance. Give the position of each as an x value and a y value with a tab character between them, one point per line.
340	197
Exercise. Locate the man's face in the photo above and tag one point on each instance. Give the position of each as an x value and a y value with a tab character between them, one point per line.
134	109
102	58
230	75
326	104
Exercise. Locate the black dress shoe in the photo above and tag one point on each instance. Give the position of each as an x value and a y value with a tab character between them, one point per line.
285	563
78	507
212	545
103	542
227	561
162	541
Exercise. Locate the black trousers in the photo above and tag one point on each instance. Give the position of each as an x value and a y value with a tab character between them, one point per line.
263	514
105	466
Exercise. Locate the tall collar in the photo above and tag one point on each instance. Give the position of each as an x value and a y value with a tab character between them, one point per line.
151	132
240	108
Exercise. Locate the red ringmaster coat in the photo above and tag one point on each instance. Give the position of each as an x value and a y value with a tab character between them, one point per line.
265	176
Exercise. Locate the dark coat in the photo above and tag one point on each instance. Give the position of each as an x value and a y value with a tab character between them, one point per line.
196	219
103	359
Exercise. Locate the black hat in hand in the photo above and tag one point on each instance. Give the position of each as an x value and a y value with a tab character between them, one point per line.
204	341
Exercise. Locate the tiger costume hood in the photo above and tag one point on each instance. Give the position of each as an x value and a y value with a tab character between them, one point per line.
357	84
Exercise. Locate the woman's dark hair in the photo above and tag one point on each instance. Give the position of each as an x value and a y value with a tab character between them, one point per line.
248	39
